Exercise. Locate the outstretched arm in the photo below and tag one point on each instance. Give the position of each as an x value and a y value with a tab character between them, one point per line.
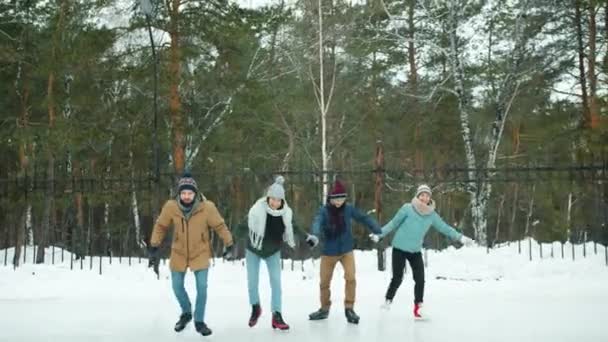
395	222
298	230
318	222
445	228
367	221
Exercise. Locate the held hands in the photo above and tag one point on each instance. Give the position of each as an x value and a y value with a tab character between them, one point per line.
229	253
374	237
312	241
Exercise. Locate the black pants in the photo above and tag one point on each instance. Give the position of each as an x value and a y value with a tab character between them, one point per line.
417	266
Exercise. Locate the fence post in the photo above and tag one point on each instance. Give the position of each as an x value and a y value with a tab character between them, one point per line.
6	242
121	249
585	244
72	253
519	246
573	256
595	247
90	233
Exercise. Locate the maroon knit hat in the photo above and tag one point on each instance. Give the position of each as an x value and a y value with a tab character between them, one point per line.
338	190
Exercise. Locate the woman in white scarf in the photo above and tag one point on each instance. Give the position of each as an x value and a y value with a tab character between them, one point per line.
270	223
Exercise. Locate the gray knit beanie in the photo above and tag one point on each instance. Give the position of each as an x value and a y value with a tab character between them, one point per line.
424	188
276	190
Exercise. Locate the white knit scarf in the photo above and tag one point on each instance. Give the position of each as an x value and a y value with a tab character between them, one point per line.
257	222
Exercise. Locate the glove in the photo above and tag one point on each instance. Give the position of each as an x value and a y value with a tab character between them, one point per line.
312	240
153	259
468	242
229	253
374	237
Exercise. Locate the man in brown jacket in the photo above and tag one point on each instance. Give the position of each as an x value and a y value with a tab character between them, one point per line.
192	217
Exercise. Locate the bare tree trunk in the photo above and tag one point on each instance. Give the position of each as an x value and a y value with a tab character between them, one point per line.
476	190
411	47
106	208
516	137
78	204
530	211
19	237
324	155
569	211
499	216
51	110
22	89
177	124
489	61
90	232
413	84
29	226
106	223
514	210
581	61
379	185
134	203
481	190
48	208
594	107
323	99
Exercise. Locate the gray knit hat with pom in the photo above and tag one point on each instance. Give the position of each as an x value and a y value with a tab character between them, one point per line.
276	190
424	188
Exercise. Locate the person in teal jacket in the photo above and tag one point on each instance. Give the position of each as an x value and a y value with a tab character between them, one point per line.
412	222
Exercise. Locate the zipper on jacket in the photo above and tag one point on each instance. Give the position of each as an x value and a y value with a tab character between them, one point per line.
187	245
185	230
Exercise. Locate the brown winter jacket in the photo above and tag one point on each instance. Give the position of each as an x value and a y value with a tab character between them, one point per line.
191	247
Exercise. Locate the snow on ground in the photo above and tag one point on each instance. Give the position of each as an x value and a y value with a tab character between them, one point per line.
470	296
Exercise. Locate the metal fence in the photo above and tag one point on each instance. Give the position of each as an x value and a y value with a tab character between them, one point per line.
112	217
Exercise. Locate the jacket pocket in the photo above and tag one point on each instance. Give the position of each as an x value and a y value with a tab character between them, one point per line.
199	242
179	238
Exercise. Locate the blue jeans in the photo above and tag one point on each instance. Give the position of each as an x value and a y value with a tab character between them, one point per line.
177	281
273	264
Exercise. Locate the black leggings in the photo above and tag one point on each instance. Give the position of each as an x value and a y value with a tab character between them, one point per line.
417	266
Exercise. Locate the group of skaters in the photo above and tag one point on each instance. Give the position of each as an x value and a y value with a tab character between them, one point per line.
270	225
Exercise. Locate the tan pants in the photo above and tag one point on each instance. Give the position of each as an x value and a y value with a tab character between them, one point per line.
328	264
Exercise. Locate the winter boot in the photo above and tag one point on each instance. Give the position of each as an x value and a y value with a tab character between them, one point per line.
351	316
202	328
278	322
319	314
256	312
184	319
